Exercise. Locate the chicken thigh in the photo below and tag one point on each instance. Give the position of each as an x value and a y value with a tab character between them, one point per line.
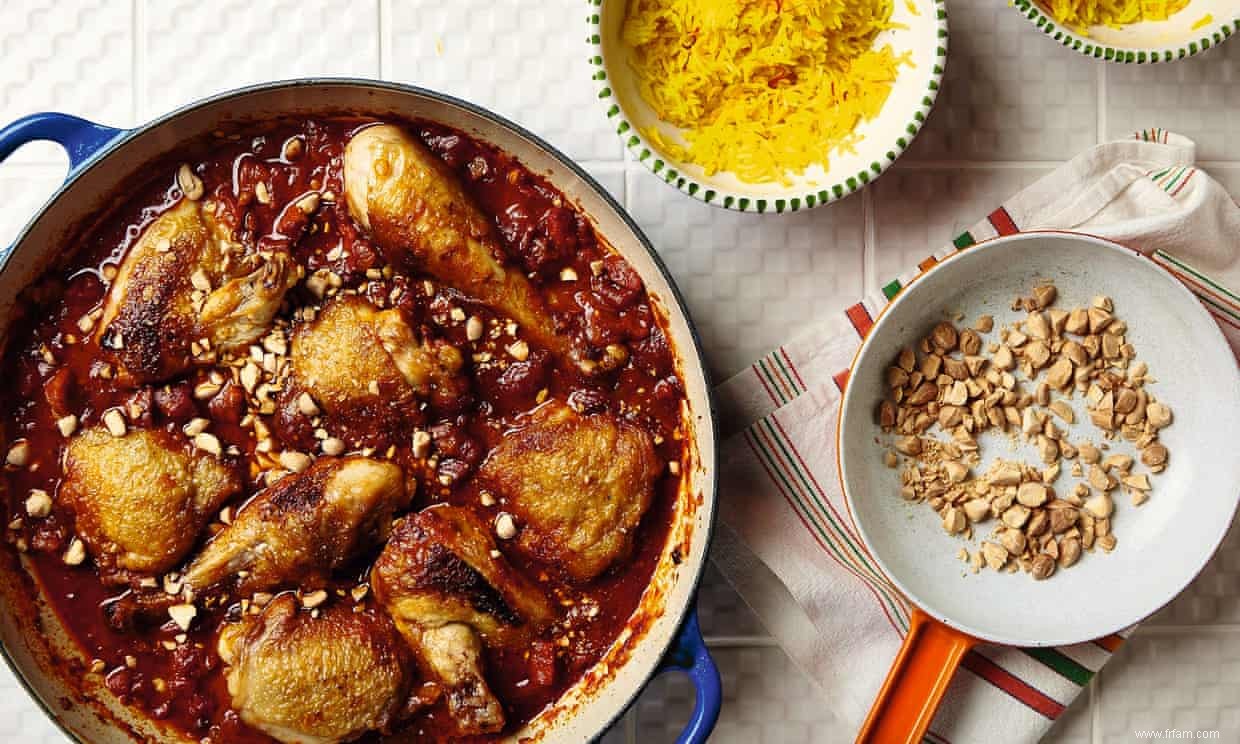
297	531
363	366
316	680
303	527
442	580
183	281
579	485
418	213
141	500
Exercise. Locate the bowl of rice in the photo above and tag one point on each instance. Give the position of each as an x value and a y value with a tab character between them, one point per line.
1135	31
768	105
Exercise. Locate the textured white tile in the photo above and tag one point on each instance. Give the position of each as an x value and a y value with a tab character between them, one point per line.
525	60
21	719
918	211
610	176
1198	97
194	49
1229	177
23	190
721	611
751	281
1184	681
1009	92
766	700
74	57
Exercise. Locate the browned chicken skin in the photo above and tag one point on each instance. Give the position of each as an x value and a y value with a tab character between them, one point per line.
296	532
366	366
183	281
449	589
303	527
304	679
141	500
418	213
578	484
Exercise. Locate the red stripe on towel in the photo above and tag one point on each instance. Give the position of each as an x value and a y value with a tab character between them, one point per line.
1110	643
1012	685
793	368
1002	222
860	319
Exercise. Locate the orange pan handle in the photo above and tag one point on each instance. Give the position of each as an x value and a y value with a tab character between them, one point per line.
915	685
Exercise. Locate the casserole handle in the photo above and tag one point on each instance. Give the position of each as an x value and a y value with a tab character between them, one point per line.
80	138
690	656
915	685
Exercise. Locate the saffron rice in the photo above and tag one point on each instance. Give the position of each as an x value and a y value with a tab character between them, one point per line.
761	88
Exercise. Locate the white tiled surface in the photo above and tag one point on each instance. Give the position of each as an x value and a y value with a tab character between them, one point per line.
75	57
187	50
915	207
1199	97
1013	105
749	279
1009	95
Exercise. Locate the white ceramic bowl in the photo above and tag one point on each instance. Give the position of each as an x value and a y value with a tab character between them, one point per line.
1162	545
1203	24
923	33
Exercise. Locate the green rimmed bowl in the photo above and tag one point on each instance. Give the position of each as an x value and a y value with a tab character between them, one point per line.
923	33
1202	25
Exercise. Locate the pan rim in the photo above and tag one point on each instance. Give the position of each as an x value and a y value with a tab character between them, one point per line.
849	403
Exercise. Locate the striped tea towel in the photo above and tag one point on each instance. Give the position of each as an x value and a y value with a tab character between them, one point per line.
833	612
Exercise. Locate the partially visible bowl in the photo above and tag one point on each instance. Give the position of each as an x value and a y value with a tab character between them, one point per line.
1201	25
921	31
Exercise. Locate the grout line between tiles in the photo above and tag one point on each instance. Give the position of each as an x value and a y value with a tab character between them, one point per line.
630	726
630	179
138	64
385	39
1102	104
869	238
1095	710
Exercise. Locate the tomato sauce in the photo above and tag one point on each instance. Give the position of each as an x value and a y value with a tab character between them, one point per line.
55	369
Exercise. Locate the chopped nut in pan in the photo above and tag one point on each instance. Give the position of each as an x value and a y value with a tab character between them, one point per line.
954	386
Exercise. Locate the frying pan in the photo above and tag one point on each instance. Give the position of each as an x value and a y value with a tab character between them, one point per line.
663	633
1162	545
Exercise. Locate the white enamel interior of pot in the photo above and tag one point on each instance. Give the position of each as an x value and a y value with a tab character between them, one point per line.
582	713
1162	544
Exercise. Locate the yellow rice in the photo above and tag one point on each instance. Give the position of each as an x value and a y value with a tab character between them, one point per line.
761	88
1114	13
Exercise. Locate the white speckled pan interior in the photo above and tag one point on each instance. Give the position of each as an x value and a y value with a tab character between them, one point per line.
1162	544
